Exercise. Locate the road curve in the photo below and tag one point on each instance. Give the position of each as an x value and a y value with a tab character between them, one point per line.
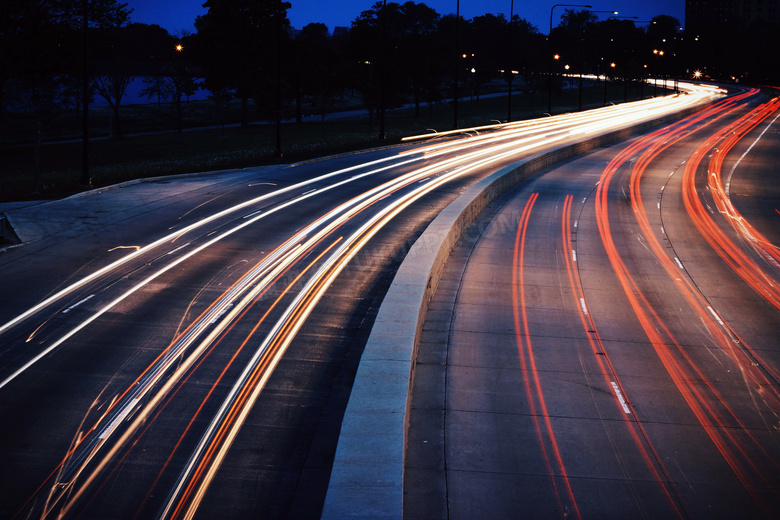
183	357
603	343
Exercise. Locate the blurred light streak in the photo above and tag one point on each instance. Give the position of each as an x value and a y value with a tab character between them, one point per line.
684	372
533	388
517	139
644	446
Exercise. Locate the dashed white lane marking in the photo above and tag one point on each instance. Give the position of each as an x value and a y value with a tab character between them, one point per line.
77	304
178	248
253	214
584	308
715	314
619	395
118	419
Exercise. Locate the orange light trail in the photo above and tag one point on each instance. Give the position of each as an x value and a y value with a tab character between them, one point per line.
609	374
200	336
533	387
683	371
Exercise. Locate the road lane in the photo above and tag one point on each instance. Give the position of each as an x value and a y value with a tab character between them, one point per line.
164	355
574	366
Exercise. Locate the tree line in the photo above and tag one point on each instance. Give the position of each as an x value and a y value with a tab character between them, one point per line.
393	53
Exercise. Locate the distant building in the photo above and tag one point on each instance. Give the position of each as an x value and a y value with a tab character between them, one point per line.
340	31
740	14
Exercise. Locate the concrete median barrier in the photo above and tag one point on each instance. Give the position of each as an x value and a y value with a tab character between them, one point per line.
367	476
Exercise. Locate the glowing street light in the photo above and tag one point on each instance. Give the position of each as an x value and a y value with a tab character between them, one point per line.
179	47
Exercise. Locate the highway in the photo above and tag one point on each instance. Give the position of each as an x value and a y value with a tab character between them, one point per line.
190	354
604	341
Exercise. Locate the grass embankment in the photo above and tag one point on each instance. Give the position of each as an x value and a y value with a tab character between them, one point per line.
166	152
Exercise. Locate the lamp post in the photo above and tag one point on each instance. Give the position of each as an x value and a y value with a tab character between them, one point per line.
382	68
549	52
86	180
457	66
510	55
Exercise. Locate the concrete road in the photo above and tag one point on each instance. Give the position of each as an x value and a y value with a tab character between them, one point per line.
188	345
604	340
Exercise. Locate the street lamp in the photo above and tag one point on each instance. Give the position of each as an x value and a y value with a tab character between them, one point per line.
549	48
612	66
511	62
86	179
457	66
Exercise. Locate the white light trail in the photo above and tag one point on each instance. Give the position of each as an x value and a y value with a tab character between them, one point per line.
464	156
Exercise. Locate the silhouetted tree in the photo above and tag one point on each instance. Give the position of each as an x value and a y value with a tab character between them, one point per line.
317	69
128	51
422	58
41	54
237	46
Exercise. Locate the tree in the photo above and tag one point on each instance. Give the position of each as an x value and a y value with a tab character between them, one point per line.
488	44
171	75
233	43
127	52
419	49
663	34
396	52
317	70
371	41
42	52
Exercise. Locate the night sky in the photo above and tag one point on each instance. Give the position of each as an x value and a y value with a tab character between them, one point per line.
178	15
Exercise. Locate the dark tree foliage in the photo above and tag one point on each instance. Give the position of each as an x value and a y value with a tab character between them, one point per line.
41	49
238	46
395	53
421	53
317	71
127	51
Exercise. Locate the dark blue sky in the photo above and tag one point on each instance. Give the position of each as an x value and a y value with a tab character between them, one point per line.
177	15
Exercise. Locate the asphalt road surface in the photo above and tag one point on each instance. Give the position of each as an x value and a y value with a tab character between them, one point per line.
186	346
605	341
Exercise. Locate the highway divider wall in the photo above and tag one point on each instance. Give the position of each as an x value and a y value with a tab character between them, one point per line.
367	477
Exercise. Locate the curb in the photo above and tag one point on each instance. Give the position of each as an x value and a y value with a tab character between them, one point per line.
367	476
